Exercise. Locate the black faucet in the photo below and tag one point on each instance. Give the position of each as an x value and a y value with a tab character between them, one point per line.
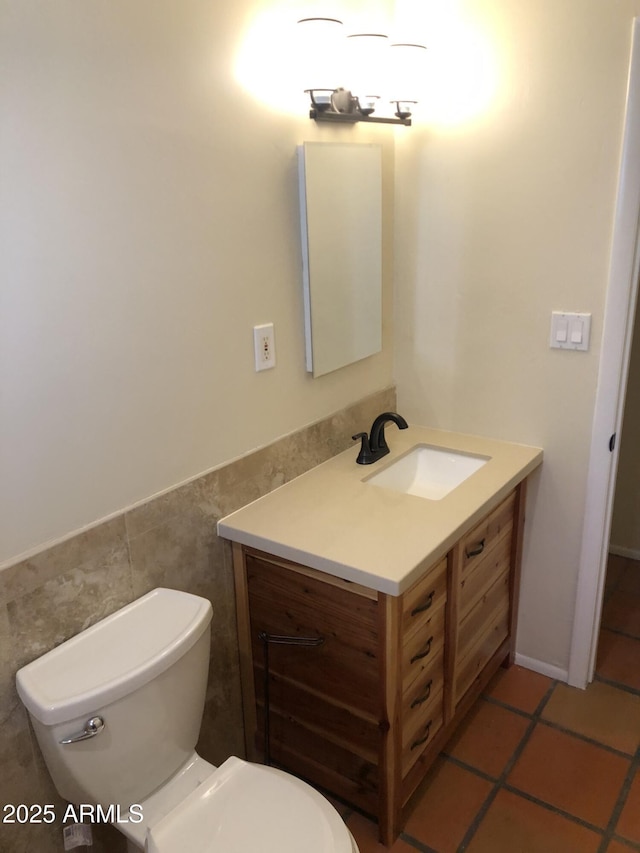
374	447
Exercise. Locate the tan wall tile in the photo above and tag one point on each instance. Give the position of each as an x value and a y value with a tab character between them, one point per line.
63	606
169	541
93	546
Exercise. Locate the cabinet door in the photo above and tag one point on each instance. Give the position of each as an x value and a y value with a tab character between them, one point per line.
324	701
483	593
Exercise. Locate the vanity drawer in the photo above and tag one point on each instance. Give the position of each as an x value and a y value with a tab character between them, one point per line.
482	539
478	619
483	536
419	732
424	598
422	648
421	691
480	653
475	583
345	667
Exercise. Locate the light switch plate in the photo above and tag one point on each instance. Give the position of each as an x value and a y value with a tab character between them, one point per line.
570	330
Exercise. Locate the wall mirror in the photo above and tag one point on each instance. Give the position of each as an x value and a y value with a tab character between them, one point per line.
341	226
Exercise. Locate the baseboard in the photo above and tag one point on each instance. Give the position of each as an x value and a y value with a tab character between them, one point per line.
620	551
543	668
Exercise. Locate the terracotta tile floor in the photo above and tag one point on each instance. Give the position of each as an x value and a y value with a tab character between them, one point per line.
540	767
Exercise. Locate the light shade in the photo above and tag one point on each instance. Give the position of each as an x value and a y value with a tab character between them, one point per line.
321	51
366	64
406	72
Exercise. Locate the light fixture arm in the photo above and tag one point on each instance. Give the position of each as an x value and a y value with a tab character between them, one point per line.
352	118
343	107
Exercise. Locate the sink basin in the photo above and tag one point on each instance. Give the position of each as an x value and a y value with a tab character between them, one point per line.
428	472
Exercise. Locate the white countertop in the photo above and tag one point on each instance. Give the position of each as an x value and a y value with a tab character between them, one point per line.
330	520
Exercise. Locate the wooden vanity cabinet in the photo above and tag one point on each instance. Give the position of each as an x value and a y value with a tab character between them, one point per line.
364	709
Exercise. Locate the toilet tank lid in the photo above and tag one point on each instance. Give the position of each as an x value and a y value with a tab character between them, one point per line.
114	657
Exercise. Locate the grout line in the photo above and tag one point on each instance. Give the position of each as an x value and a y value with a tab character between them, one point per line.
626	687
554	809
586	739
620	801
464	766
542	704
620	839
417	845
620	632
493	701
484	808
534	718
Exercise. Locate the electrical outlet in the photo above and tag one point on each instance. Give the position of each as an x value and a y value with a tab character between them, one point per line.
264	346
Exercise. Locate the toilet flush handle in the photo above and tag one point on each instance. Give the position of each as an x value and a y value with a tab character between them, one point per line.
92	727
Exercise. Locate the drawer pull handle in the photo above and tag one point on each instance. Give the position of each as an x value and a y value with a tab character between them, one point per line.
477	549
424	696
424	739
425	606
423	654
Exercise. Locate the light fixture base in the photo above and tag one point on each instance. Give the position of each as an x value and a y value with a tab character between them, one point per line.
352	118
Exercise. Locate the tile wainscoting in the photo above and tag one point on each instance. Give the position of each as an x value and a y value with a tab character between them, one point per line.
168	541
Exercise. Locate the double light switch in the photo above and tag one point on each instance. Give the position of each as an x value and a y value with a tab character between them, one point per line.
570	331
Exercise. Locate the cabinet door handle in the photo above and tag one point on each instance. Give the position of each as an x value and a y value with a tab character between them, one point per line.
424	696
425	606
475	550
423	739
424	653
280	640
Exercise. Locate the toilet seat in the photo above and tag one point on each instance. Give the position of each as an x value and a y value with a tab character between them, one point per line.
243	807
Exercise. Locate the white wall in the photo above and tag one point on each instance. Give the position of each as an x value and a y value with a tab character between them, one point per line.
507	215
148	219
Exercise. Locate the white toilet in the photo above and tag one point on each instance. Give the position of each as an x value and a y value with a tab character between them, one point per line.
117	712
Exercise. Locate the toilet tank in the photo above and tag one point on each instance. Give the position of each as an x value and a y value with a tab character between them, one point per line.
143	670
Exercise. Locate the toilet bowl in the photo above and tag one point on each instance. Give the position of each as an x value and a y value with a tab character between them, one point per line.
117	711
233	809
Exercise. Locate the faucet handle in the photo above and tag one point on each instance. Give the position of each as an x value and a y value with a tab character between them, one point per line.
365	457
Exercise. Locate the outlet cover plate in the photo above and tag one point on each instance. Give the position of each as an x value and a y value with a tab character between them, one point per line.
264	346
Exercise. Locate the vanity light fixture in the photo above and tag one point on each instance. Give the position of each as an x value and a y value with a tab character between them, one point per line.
372	66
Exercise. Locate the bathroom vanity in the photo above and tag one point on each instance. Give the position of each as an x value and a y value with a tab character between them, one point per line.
371	620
